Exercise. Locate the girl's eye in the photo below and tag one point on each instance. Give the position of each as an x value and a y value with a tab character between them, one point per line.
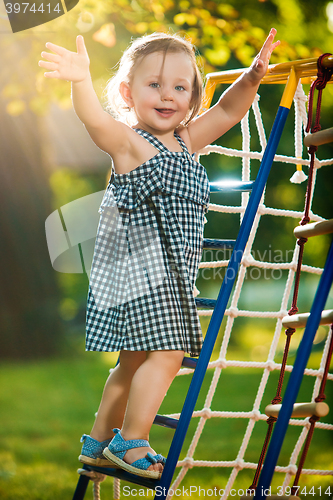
179	87
155	85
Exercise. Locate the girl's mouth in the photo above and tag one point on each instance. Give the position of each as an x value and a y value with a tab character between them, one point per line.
165	111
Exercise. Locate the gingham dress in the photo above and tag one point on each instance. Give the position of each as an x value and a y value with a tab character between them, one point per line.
147	251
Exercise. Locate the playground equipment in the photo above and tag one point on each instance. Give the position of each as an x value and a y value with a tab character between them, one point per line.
251	210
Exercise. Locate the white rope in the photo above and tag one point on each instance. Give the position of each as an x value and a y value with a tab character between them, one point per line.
116	488
262	210
246	172
255	260
97	478
239	464
256	155
249	261
319	377
300	99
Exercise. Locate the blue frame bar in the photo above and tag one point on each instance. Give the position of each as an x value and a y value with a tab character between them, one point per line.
303	354
222	301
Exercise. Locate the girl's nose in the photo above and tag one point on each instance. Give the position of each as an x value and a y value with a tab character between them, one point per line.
166	95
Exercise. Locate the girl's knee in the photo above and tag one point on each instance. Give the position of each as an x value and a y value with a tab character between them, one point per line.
132	360
169	360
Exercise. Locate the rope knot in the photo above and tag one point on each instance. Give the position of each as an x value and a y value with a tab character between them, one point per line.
96	477
290	331
271	420
323	76
270	365
313	419
188	462
321	82
313	149
239	464
320	398
293	310
233	312
207	413
301	241
222	363
256	415
292	469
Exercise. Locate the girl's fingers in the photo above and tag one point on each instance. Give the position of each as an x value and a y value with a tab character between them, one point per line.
55	48
269	40
47	65
275	44
50	57
271	36
268	46
52	74
80	45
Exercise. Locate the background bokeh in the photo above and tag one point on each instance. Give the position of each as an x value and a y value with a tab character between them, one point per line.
47	160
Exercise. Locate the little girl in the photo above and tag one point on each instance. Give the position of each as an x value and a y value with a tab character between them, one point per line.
149	240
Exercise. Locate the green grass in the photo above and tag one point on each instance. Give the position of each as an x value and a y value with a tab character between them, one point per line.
47	406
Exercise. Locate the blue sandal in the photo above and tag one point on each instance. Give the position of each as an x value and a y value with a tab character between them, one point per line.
92	451
117	449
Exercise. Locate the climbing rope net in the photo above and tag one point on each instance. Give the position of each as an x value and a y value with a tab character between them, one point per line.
255	414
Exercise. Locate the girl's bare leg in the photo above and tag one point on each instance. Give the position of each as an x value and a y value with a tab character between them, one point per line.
148	388
115	395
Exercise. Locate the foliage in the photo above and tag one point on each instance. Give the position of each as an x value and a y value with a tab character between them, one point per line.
227	34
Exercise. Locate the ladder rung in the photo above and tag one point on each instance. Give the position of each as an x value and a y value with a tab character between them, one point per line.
319	138
205	303
189	362
163	421
300	410
124	476
300	320
230	186
224	244
314	229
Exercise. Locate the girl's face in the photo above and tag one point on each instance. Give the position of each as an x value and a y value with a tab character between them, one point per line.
161	91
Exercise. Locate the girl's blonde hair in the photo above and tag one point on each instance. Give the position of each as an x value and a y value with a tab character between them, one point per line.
133	55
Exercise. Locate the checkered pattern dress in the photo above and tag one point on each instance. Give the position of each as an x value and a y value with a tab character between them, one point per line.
147	251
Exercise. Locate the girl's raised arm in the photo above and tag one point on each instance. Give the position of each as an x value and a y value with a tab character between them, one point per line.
63	64
234	102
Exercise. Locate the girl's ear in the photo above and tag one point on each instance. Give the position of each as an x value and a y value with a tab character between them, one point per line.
126	94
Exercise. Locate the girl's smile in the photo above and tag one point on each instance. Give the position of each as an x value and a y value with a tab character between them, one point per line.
165	112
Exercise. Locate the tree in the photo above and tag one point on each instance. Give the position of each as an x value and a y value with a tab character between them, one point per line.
227	35
30	325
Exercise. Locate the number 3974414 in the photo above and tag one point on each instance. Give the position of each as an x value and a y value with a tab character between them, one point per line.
28	8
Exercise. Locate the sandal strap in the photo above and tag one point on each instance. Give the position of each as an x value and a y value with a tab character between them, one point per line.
145	462
119	444
160	459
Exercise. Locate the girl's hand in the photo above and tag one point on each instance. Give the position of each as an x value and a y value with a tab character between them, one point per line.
259	66
64	64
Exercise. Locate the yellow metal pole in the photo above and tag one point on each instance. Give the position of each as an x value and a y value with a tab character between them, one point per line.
276	73
290	88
